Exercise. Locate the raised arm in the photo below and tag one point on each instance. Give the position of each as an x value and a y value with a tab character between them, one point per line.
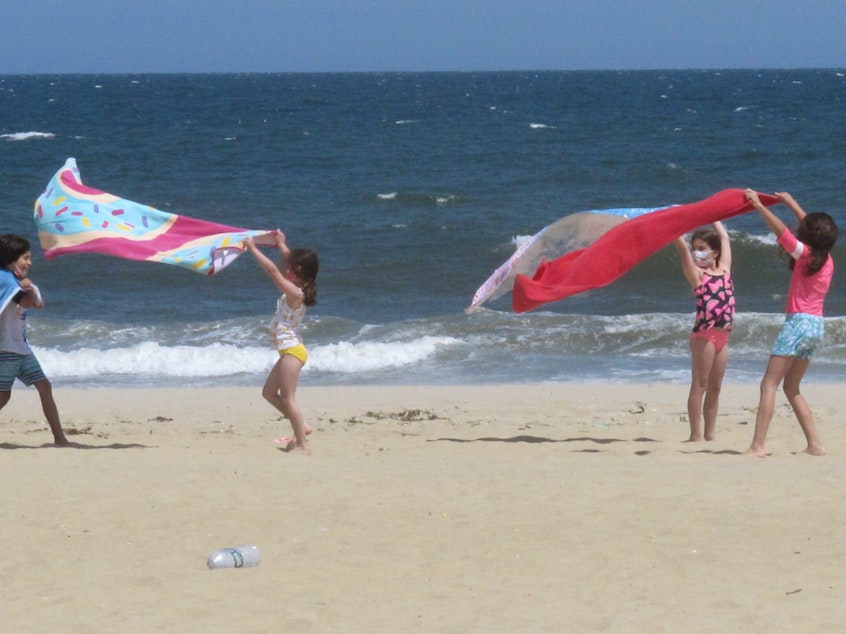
725	245
691	272
788	200
282	283
773	222
281	244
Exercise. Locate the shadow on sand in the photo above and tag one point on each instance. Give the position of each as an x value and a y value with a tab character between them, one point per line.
73	445
541	439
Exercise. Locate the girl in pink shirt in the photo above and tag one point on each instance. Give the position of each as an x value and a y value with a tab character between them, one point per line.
803	329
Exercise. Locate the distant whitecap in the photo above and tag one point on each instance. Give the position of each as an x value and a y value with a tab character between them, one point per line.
23	136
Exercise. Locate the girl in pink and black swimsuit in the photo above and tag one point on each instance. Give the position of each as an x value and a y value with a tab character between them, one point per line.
707	267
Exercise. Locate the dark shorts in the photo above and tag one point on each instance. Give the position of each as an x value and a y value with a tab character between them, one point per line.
19	366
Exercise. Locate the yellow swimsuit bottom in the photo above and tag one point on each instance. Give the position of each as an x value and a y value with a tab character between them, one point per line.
299	351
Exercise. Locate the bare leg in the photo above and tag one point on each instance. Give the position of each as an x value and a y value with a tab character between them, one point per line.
51	412
702	354
712	393
776	370
280	390
800	406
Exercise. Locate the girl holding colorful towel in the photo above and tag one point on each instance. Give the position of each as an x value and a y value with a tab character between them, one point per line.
296	281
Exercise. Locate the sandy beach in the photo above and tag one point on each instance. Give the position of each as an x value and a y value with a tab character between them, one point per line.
534	508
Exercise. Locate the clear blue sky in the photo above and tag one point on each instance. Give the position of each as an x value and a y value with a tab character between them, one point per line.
140	36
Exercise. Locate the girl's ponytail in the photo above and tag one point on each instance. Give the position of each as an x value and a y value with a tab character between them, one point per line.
305	264
309	293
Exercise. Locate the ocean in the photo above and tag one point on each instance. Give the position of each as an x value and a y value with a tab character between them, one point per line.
413	188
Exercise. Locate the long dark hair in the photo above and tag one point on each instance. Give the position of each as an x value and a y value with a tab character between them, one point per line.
711	238
11	248
305	265
818	231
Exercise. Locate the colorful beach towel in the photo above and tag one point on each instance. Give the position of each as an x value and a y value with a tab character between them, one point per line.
74	218
590	249
623	246
565	235
9	287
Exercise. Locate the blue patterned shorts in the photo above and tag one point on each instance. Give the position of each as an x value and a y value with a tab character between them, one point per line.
800	336
19	366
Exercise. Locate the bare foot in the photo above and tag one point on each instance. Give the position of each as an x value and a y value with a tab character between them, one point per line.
286	440
755	452
293	444
61	442
816	450
694	438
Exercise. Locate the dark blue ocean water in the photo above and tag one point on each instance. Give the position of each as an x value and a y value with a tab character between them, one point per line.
413	188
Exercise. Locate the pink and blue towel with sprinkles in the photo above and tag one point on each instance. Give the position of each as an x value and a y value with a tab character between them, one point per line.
72	217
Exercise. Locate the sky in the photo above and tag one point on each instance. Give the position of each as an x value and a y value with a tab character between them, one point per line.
223	36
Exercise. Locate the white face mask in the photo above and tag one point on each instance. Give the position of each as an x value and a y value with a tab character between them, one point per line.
703	259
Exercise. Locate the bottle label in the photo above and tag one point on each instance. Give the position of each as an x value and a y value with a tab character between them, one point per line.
237	556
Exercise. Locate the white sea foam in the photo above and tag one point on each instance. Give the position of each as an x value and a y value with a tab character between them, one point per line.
485	347
153	360
347	357
767	239
23	136
519	241
389	196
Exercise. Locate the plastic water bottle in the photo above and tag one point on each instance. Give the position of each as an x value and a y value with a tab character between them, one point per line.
246	556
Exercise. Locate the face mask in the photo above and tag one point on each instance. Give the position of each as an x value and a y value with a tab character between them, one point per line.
703	258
